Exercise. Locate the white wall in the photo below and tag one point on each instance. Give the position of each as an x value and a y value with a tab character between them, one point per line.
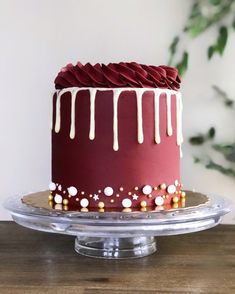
39	37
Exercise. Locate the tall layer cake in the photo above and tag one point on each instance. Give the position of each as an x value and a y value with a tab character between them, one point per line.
116	137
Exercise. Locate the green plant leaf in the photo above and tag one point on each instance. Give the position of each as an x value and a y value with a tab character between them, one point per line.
233	24
220	168
215	2
197	140
227	150
173	48
211	133
210	52
183	64
227	101
222	39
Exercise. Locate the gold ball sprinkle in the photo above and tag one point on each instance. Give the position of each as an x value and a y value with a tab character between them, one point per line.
65	207
127	209
143	209
82	193
101	209
163	196
163	186
51	203
111	200
84	209
129	193
176	192
175	205
99	191
136	188
143	203
90	195
121	189
167	196
175	199
77	199
69	196
150	195
65	201
155	188
117	195
50	197
101	204
183	194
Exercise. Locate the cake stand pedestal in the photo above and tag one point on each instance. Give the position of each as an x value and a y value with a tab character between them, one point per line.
117	235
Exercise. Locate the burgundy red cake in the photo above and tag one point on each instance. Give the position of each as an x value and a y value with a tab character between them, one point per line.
116	137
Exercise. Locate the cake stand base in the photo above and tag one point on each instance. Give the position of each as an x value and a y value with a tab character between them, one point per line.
115	248
118	235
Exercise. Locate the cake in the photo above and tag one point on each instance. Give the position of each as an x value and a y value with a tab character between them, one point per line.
116	137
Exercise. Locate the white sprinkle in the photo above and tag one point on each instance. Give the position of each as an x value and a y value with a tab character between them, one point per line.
171	189
108	191
58	198
159	201
72	191
126	203
84	202
147	189
52	186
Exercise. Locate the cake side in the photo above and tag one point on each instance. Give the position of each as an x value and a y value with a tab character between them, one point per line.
116	147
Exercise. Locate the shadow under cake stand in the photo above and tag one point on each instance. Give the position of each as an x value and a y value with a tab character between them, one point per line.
117	235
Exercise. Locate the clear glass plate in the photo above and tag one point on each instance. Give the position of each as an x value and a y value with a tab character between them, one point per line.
118	234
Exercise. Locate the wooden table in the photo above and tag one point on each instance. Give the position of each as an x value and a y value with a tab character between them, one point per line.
37	262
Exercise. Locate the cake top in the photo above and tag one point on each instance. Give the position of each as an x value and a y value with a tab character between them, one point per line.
118	75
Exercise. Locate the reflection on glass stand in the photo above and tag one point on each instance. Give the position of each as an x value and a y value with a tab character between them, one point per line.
117	235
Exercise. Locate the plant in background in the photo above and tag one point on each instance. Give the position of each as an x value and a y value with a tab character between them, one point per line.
204	15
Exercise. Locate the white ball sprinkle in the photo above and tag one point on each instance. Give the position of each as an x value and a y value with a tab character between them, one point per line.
176	182
84	202
108	191
60	188
171	189
58	198
147	189
159	200
52	186
72	191
126	203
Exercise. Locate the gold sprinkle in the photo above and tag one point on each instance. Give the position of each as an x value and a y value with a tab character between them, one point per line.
90	195
82	193
65	207
69	196
136	188
183	194
101	204
143	209
111	200
175	205
150	195
117	195
167	196
176	192
180	192
50	197
129	193
127	209
121	189
51	203
65	201
99	191
155	188
163	186
143	203
175	199
84	209
163	196
101	209
77	199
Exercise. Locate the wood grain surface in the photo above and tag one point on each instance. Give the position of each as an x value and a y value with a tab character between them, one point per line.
38	262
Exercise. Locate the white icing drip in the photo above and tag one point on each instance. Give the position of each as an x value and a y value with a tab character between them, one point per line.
157	116
140	134
92	114
116	94
73	102
168	105
179	108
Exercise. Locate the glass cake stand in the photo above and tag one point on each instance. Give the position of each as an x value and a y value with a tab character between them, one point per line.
116	235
